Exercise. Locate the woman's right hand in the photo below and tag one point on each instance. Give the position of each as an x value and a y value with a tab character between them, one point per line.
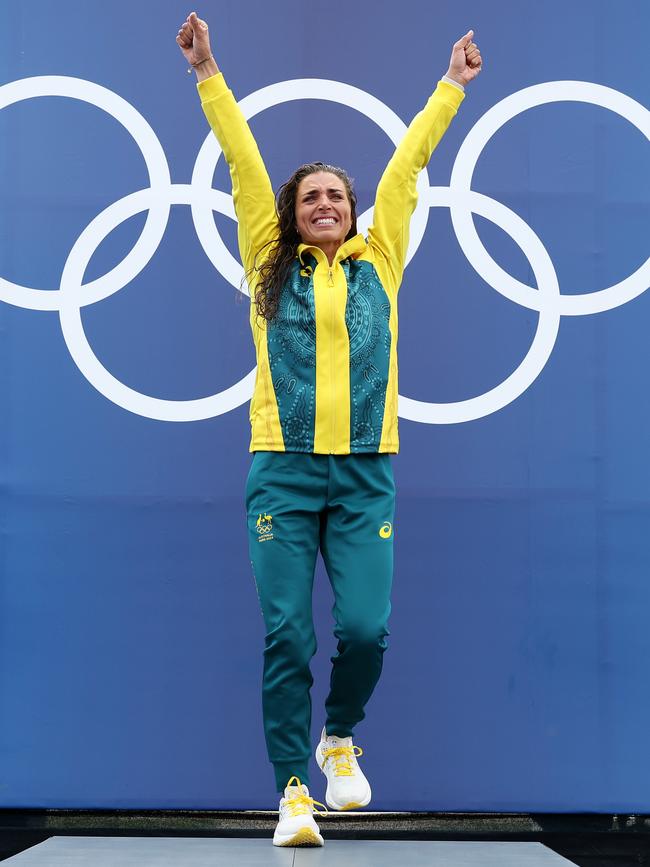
194	40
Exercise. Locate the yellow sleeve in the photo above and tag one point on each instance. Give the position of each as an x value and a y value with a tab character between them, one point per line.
252	192
396	194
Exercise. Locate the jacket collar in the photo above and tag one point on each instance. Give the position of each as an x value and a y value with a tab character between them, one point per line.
354	247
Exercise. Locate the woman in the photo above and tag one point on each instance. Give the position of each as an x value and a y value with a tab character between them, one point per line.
324	421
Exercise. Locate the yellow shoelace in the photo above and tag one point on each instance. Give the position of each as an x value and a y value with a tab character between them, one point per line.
341	756
299	804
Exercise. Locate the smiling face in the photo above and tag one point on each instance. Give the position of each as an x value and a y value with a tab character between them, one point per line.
322	210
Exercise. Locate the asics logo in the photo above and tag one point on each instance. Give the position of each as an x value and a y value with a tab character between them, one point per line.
463	202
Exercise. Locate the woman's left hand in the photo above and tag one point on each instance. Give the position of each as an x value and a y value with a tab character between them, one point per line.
465	63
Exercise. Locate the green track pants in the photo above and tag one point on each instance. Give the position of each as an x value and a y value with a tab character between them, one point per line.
296	504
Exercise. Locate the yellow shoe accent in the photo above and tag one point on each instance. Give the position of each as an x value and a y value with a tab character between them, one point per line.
299	803
341	756
303	837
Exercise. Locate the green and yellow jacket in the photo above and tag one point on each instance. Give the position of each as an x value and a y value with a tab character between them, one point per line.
327	363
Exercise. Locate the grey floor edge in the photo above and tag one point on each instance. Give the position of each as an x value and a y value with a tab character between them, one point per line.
253	852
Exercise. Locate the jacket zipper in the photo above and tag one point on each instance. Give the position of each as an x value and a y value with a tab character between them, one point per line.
330	282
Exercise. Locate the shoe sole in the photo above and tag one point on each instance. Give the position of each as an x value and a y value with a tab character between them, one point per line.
302	837
353	805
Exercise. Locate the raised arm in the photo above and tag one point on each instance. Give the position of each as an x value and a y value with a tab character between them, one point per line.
396	194
252	192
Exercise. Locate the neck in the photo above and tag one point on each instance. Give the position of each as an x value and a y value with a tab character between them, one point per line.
330	250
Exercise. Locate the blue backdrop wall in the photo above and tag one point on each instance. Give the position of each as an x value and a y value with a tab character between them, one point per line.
131	639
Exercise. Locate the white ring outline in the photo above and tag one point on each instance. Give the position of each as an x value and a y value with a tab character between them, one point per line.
157	168
547	327
72	296
461	180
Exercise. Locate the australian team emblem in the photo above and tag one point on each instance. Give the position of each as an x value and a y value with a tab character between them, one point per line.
264	527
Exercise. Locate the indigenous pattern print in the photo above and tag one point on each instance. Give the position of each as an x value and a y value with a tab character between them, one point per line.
367	313
291	340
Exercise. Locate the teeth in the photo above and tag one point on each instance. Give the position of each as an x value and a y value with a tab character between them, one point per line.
325	221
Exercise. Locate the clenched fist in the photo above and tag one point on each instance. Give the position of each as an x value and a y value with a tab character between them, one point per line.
194	40
465	62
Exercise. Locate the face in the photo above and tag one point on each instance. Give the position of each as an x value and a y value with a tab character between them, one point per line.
323	212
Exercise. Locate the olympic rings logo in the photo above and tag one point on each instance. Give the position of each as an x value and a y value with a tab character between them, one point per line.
461	200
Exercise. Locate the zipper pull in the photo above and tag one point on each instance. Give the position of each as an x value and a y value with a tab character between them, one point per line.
330	278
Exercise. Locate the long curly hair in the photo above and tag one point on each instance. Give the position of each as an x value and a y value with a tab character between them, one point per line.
274	269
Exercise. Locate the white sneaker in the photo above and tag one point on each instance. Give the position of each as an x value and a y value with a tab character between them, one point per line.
347	787
296	826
